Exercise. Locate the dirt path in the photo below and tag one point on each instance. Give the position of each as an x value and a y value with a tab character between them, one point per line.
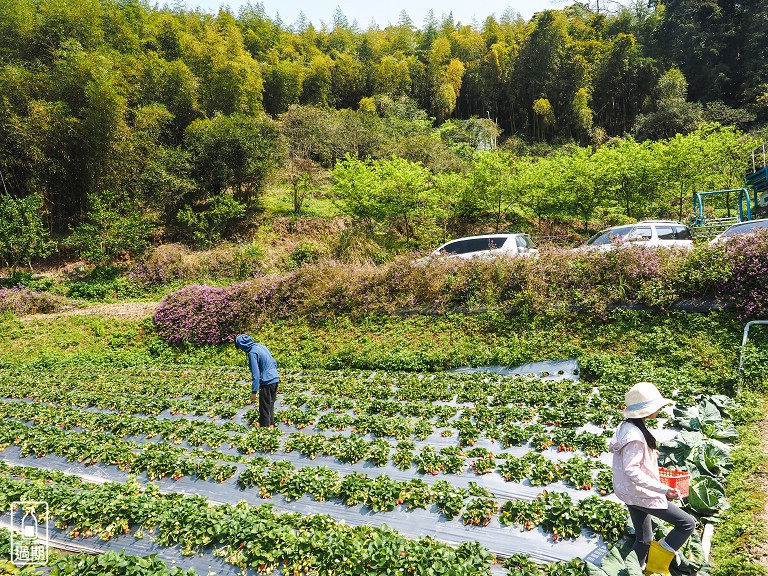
123	310
127	310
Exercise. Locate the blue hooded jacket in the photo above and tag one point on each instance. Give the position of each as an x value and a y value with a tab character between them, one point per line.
260	361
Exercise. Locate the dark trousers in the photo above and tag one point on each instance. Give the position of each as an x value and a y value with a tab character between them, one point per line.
683	523
267	396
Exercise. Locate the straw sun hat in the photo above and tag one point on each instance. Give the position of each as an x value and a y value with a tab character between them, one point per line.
642	400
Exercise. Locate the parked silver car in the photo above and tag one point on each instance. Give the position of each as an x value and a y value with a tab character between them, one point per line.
747	227
487	246
651	233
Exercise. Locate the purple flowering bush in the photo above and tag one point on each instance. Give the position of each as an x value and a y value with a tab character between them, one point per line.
744	285
21	300
202	314
558	280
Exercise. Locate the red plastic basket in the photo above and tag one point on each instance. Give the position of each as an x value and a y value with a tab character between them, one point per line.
678	479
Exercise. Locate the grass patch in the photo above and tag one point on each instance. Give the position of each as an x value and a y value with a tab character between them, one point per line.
278	201
741	531
630	346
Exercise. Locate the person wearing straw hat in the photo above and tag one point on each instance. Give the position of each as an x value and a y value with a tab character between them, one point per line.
636	481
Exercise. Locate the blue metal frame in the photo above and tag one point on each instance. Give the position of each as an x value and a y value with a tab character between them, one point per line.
698	205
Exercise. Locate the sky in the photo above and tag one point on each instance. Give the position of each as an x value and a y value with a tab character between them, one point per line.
383	12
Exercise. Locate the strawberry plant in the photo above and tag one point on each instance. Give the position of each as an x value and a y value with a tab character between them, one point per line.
521	565
541	471
378	452
416	494
541	441
468	432
422	429
483	465
565	439
323	484
353	489
349	449
383	494
448	498
454	464
252	476
522	513
309	445
605	482
296	417
223	410
561	517
513	469
265	440
403	459
331	421
275	477
479	511
478	452
474	489
603	517
578	472
515	436
429	462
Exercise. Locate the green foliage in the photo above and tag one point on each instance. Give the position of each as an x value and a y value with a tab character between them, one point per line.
395	192
23	236
739	531
115	96
115	228
235	152
210	220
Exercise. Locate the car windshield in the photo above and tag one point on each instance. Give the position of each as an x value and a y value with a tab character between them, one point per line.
745	228
610	235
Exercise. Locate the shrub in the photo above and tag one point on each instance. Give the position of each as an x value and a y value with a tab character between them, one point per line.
176	264
164	264
589	283
21	300
202	314
744	286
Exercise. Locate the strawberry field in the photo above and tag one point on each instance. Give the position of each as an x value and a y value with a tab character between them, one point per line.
368	472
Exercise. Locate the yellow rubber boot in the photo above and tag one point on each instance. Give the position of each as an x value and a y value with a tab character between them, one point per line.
659	559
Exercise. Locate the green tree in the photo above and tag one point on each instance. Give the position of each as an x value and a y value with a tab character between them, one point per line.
704	38
579	183
673	114
23	235
115	228
303	175
208	220
282	85
634	174
234	152
306	129
493	186
392	191
317	82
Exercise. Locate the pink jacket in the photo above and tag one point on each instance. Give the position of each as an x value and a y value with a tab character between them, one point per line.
635	469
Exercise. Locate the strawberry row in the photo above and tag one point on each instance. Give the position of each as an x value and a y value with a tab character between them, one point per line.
162	459
383	494
249	537
156	459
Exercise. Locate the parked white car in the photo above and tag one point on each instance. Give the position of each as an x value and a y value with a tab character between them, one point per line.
487	246
650	233
747	227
